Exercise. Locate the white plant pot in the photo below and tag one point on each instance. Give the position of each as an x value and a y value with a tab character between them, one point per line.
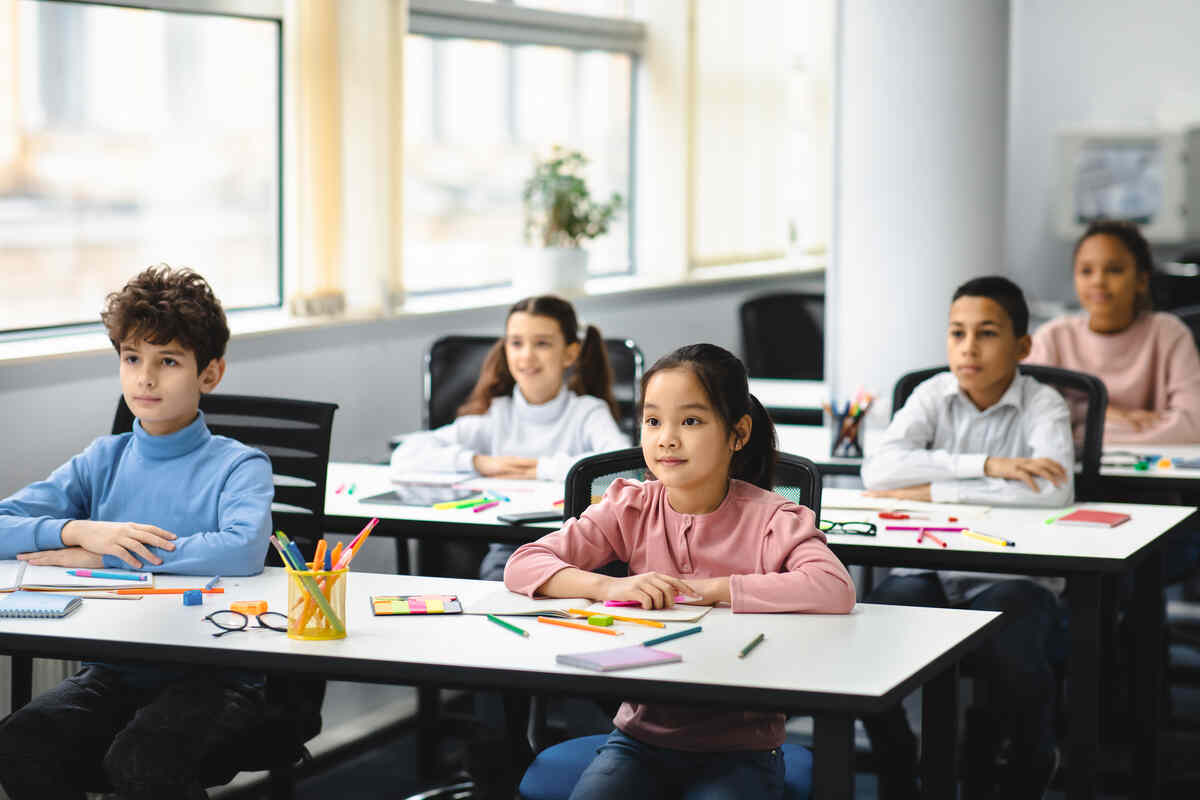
551	270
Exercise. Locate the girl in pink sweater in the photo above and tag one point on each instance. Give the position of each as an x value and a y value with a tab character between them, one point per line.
1147	360
709	527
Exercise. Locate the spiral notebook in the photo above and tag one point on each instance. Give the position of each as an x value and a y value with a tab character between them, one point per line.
37	604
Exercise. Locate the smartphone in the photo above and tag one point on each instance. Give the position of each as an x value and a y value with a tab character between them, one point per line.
530	516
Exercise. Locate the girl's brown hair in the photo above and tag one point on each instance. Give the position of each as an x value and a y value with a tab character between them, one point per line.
591	373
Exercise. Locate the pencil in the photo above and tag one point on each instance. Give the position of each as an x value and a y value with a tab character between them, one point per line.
753	644
214	590
983	537
650	622
927	535
579	626
668	637
508	625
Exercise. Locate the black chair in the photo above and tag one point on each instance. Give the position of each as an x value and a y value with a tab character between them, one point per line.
1191	317
295	436
1086	397
796	478
453	364
783	336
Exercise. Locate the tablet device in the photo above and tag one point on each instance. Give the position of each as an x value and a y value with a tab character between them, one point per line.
530	516
415	494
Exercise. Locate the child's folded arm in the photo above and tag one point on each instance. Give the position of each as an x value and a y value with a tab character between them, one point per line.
1002	492
901	458
239	545
450	448
33	518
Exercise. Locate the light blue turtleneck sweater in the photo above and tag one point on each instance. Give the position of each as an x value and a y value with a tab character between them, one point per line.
212	492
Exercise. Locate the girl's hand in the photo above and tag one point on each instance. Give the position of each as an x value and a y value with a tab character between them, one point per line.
505	466
126	540
1137	418
920	492
66	557
1026	470
651	589
711	591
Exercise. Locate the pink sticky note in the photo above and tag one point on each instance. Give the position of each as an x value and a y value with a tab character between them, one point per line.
416	605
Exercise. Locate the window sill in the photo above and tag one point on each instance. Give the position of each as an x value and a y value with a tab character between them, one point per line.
23	348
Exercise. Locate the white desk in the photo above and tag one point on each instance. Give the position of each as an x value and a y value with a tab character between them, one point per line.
829	666
1085	557
813	442
791	401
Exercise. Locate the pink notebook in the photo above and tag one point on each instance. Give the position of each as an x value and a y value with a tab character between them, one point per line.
1097	519
619	658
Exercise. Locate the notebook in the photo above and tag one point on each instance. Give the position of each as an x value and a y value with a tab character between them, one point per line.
503	603
48	579
387	605
37	604
1094	519
10	574
619	658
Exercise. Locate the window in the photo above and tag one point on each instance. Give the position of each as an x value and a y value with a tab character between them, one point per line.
487	88
130	137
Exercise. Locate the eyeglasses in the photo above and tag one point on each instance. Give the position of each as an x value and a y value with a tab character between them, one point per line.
229	621
856	528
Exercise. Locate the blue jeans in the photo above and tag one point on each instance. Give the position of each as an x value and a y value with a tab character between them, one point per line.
1015	663
629	769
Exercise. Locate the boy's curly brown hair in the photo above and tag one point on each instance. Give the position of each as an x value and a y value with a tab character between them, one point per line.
161	305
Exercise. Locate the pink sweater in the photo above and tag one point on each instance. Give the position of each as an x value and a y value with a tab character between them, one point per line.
1151	365
776	560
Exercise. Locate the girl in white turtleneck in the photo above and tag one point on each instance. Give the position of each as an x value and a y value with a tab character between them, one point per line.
530	415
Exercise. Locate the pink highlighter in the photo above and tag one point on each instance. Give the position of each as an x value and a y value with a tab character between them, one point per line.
679	598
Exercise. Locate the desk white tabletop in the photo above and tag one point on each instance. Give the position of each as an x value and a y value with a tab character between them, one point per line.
813	442
371	479
1124	453
827	654
790	394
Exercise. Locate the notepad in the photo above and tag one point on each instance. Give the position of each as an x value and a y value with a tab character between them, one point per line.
48	579
402	605
503	603
618	658
37	604
10	574
1095	519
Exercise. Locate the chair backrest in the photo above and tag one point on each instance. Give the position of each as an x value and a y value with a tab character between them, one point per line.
1087	401
1191	317
453	363
295	436
783	336
796	478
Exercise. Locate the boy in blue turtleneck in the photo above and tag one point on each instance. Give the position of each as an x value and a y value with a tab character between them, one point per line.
168	497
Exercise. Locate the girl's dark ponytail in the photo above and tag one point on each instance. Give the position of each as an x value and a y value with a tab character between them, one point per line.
495	380
593	375
724	379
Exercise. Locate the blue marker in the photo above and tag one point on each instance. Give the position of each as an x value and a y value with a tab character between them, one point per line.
212	583
91	573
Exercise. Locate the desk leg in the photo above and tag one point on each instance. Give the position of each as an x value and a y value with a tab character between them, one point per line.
1084	670
939	735
21	682
833	756
1148	655
429	736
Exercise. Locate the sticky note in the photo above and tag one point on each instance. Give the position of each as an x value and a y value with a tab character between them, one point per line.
433	605
416	605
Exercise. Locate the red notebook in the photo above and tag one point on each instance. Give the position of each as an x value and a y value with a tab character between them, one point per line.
1095	519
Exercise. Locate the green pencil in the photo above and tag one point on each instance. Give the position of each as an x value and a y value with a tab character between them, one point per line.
753	644
508	625
668	637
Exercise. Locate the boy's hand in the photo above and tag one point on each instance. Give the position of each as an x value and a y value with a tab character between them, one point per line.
66	557
919	492
1137	418
651	589
711	591
125	540
1026	470
505	466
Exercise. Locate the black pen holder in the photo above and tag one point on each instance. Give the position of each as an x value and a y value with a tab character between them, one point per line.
845	442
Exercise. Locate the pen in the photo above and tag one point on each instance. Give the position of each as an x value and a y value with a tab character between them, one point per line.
650	622
939	529
353	486
668	637
925	533
899	515
753	644
1054	519
215	590
983	537
508	625
579	626
216	579
95	573
486	506
341	488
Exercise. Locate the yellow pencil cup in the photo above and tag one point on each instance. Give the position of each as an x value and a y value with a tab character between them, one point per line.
317	604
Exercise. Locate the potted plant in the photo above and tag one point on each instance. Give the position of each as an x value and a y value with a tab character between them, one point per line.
559	214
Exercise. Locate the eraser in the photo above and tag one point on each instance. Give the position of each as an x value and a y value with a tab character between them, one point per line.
252	607
193	597
600	619
1163	463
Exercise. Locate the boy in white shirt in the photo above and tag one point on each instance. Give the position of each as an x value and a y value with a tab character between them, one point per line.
982	433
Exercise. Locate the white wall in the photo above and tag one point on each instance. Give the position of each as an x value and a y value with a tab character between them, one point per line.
1081	62
54	407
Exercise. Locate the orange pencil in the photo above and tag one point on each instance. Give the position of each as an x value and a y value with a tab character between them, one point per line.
650	622
215	590
579	626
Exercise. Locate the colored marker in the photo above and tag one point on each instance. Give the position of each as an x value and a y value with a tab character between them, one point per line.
745	651
508	625
926	534
983	537
668	637
942	529
486	506
217	590
1054	519
93	573
216	579
579	626
341	488
353	486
